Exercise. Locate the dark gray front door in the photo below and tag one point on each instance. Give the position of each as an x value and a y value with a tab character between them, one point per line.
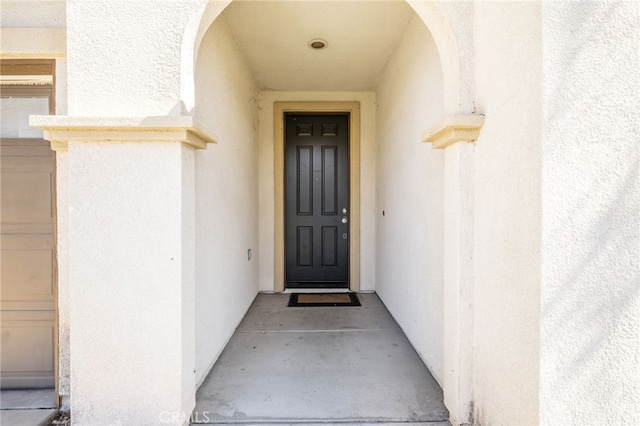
317	200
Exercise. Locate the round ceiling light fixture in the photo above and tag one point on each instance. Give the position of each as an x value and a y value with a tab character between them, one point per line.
317	43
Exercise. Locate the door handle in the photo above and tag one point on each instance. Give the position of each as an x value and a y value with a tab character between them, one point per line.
344	219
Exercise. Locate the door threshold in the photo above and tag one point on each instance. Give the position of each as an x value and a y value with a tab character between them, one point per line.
317	290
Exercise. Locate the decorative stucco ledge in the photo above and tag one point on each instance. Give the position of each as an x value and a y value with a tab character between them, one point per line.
452	129
60	130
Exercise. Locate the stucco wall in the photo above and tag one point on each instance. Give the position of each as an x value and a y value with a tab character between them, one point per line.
367	179
127	54
409	259
226	194
590	307
33	14
507	213
451	26
131	229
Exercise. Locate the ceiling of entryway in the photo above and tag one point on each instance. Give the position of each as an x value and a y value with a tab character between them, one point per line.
361	36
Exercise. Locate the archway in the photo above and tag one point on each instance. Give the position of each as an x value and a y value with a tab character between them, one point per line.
402	180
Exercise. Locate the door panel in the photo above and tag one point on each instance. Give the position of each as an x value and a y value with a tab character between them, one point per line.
317	200
28	264
27	349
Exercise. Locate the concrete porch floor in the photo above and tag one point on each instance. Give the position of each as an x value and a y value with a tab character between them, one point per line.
319	365
31	407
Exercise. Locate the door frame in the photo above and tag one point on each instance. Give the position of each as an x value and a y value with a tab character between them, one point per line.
353	110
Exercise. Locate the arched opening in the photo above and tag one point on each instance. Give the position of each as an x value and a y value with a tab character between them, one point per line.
380	55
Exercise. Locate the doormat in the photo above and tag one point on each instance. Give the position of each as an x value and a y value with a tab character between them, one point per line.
323	299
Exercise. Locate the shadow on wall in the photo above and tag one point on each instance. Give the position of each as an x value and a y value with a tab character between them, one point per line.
586	316
589	299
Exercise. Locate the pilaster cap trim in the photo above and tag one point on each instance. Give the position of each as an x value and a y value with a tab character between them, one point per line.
60	130
454	128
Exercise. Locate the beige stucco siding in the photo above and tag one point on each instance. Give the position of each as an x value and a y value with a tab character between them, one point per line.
507	213
590	295
226	194
409	214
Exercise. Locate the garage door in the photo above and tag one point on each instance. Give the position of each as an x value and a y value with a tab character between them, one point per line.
27	255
